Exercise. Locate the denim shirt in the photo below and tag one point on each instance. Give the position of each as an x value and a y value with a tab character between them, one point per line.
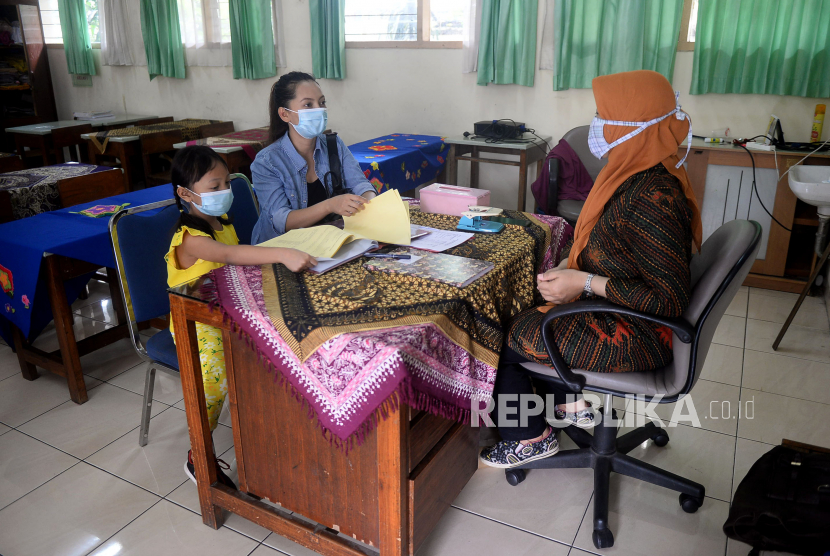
279	179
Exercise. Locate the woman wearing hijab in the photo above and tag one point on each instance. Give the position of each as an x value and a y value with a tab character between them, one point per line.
632	246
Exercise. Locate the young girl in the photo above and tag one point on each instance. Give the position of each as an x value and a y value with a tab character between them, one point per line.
205	239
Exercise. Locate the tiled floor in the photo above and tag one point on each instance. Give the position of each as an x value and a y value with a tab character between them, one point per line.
73	480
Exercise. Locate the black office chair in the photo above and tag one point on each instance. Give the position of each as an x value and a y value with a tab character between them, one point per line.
569	209
716	274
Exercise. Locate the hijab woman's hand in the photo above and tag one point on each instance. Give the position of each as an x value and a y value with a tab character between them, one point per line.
561	286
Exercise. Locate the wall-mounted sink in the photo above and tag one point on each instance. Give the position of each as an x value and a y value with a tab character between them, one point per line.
808	183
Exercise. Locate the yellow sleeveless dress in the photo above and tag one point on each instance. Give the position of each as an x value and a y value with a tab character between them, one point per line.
211	351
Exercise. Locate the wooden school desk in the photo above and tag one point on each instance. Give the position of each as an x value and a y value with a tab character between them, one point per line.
389	492
535	150
39	136
237	149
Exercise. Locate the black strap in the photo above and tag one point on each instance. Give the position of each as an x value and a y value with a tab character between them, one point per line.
335	174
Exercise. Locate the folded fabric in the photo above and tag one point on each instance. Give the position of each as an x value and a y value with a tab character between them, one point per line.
575	182
101	210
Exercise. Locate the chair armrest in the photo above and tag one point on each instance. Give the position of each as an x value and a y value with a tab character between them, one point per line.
575	383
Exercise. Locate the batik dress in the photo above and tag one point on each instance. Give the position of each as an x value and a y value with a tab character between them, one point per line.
211	351
642	243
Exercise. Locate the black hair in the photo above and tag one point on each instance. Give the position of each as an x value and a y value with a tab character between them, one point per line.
189	166
282	92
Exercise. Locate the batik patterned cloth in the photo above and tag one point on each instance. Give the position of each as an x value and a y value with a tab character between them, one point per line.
189	128
251	140
36	190
348	339
400	161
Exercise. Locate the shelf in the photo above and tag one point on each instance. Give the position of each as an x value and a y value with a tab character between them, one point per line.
24	87
813	222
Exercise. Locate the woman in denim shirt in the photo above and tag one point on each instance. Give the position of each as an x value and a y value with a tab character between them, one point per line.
291	176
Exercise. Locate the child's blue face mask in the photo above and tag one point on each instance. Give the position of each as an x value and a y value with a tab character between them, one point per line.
215	203
312	122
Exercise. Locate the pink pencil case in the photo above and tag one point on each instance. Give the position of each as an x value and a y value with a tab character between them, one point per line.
440	198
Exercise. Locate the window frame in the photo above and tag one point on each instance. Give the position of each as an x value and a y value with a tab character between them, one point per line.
683	44
423	40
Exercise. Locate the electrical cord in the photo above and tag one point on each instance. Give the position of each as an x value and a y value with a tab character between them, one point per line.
755	188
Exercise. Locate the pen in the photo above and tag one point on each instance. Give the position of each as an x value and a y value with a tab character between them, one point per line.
388	256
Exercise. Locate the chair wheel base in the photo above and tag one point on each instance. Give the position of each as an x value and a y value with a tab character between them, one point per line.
603	538
660	439
690	504
515	476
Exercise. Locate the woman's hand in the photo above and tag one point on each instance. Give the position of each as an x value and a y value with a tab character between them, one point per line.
346	205
561	286
297	261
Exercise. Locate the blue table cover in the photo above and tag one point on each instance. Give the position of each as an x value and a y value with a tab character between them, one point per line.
400	161
24	300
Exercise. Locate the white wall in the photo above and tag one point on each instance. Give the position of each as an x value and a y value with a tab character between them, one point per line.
404	90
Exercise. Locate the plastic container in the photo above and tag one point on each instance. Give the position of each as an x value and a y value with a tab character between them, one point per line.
440	198
818	123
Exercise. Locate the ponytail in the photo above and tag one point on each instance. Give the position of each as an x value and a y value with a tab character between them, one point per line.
189	166
282	92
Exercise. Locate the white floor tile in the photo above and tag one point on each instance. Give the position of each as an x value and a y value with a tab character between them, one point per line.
263	550
647	520
71	514
738	306
98	291
25	464
811	314
100	310
110	361
22	400
224	416
170	530
462	534
723	364
746	454
167	387
83	328
788	376
799	341
187	495
158	465
9	365
730	331
4	429
714	404
699	455
82	430
774	418
566	493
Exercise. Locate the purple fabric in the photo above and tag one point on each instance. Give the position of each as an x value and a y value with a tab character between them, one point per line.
575	182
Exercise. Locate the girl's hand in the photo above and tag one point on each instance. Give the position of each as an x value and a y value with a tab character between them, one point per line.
297	261
561	286
346	205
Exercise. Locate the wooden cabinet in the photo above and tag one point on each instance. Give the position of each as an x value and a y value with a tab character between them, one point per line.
722	178
32	100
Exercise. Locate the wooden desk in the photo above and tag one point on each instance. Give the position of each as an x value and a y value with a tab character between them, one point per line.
769	272
528	153
389	493
125	149
236	158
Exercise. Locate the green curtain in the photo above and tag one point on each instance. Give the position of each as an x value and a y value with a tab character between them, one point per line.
75	31
600	37
775	47
252	39
507	42
162	38
328	38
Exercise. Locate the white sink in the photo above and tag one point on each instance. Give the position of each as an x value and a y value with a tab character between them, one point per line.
806	183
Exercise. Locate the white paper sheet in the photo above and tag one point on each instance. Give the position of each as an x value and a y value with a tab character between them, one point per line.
347	252
439	240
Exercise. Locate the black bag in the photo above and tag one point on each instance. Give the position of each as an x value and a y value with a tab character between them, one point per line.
335	174
783	504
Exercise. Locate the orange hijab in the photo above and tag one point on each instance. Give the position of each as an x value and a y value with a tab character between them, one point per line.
634	96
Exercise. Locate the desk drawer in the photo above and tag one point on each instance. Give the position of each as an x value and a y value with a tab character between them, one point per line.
438	479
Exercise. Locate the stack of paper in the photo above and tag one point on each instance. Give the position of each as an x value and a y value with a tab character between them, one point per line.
92	115
385	218
319	241
440	240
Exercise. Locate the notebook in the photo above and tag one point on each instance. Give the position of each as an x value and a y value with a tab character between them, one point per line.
447	269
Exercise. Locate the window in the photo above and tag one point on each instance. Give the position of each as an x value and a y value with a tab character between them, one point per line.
52	22
688	26
402	23
204	22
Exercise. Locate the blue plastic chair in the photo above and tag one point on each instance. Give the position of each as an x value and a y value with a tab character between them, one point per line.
140	243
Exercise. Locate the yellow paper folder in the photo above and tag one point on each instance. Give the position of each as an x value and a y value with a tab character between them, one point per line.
385	219
319	241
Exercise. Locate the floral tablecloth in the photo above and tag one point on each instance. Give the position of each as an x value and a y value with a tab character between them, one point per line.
401	161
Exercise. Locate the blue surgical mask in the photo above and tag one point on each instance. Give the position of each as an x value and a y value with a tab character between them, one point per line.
215	203
600	147
312	122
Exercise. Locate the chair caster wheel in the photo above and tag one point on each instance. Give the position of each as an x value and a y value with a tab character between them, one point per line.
690	504
603	538
515	476
660	439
